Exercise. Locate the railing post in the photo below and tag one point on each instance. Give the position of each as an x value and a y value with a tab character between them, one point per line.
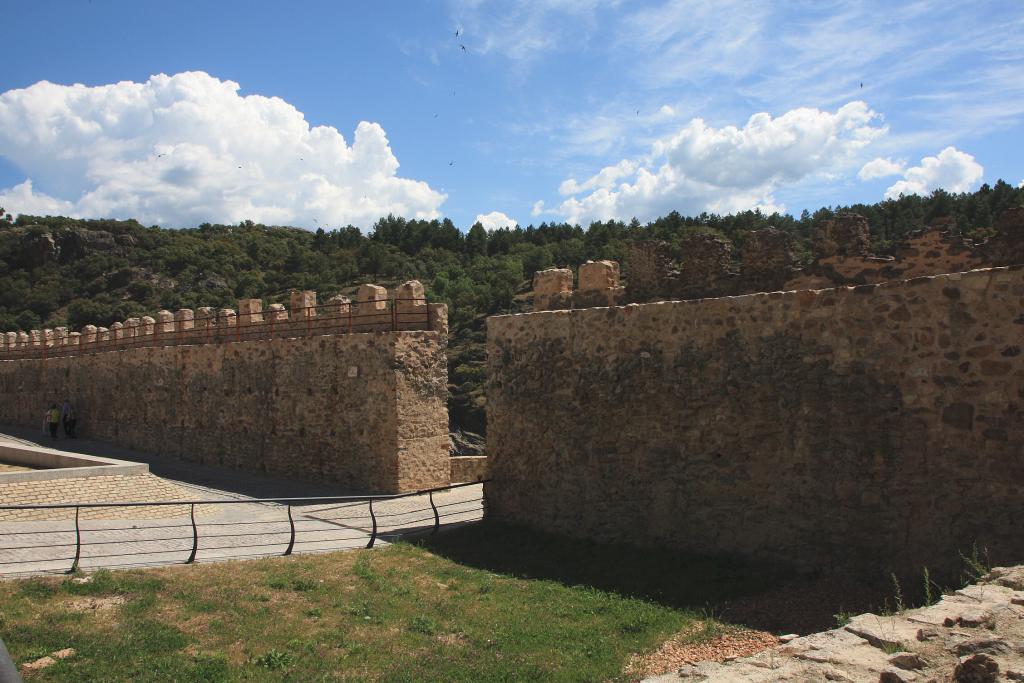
195	536
291	524
373	533
78	544
437	517
350	316
394	315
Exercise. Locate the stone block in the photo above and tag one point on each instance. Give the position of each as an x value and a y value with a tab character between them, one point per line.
250	312
411	306
116	332
598	275
88	335
438	316
552	289
552	281
226	323
277	313
147	326
372	312
302	305
164	323
371	298
185	319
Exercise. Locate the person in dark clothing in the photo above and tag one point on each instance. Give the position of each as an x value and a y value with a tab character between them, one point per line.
70	418
53	419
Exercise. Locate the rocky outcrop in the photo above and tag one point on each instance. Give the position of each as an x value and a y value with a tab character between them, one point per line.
973	635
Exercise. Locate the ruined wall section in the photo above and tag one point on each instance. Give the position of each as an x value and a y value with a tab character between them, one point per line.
364	410
880	425
841	247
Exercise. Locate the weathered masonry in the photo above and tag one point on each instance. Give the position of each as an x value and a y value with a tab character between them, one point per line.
347	392
879	427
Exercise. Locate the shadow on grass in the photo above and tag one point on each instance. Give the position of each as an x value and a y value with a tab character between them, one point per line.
768	597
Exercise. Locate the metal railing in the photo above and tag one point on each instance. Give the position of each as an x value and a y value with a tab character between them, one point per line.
427	517
310	321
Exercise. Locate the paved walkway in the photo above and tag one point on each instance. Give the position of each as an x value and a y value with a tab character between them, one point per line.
225	531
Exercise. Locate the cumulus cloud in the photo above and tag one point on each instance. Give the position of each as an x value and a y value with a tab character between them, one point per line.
185	149
951	169
879	168
703	168
495	220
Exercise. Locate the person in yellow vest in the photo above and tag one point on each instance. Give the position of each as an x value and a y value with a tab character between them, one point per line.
53	419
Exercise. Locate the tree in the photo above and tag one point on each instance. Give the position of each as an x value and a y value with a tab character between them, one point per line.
476	240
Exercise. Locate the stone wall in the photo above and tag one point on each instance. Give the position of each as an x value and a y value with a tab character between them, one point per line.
468	468
841	248
365	410
880	425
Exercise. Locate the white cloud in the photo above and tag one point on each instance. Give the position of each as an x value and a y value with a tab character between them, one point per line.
22	199
879	168
952	170
702	168
607	177
185	149
495	220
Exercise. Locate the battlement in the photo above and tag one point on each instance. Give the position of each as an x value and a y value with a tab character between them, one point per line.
598	286
707	268
373	310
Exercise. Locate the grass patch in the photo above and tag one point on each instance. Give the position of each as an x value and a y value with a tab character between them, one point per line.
486	603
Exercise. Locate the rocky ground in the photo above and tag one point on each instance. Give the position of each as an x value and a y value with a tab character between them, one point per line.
974	635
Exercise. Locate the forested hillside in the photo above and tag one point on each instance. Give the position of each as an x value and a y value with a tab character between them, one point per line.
62	271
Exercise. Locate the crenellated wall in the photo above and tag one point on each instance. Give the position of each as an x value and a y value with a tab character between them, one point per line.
283	391
878	426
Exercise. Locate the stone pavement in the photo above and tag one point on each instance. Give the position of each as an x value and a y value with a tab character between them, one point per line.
974	635
227	530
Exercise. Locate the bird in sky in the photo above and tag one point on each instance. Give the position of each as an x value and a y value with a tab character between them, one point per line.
435	116
638	112
451	163
462	46
862	85
160	155
457	32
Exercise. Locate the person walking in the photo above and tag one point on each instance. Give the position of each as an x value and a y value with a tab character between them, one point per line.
53	419
69	418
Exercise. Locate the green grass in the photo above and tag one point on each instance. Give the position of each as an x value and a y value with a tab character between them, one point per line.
487	603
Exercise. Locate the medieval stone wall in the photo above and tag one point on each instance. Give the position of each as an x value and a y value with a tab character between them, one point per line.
841	247
365	410
878	426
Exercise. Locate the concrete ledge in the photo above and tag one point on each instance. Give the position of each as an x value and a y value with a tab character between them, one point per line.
56	464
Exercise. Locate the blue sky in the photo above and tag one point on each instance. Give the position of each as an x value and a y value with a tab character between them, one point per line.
326	113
